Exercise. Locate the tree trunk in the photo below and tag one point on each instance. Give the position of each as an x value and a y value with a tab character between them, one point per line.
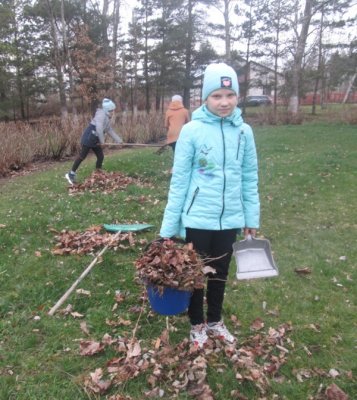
146	63
69	59
247	58
227	31
105	26
19	76
116	22
58	64
188	56
276	57
293	106
319	65
350	84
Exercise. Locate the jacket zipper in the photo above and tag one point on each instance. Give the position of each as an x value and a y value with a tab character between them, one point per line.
224	174
239	140
193	199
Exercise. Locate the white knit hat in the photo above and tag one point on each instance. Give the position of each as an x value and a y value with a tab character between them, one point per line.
176	97
219	76
108	105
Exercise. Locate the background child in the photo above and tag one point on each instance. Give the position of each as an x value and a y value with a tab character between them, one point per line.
213	192
94	137
176	116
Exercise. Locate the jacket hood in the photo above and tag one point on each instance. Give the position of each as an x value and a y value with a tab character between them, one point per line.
175	105
202	113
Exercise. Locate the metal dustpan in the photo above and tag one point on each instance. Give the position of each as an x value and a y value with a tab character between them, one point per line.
126	227
254	259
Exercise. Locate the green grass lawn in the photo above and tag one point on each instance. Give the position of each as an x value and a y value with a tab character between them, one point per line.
308	201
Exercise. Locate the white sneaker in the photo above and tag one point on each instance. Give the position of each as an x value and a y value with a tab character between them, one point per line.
220	331
71	178
198	335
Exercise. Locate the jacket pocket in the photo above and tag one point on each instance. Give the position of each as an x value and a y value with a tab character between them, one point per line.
195	193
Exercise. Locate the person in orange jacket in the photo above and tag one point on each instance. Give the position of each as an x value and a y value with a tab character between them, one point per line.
176	116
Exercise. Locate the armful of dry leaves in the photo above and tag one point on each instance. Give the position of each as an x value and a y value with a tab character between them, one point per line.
171	264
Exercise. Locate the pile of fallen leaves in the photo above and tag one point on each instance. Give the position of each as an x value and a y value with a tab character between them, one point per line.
183	367
172	369
76	242
167	263
105	182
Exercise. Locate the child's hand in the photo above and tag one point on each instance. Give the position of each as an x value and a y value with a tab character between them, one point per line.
249	232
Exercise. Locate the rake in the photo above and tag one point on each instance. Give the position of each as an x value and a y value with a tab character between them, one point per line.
111	228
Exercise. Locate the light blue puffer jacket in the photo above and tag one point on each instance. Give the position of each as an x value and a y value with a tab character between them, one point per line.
214	184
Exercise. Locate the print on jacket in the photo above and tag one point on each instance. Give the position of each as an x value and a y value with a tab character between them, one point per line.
205	166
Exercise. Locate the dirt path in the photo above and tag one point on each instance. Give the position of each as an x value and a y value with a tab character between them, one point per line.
29	169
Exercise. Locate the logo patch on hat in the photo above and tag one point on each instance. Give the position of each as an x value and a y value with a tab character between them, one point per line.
226	82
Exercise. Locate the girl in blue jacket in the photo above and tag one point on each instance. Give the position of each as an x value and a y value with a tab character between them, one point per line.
213	192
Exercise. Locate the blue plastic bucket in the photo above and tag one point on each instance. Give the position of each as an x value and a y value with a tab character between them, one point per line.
170	301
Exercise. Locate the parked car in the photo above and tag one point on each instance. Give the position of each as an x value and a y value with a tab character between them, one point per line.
255	101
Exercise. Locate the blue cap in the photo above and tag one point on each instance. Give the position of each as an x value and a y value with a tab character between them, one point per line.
219	76
108	105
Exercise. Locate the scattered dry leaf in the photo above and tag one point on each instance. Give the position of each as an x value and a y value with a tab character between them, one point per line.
234	319
257	324
333	392
134	349
119	296
84	327
90	347
84	292
334	373
95	383
76	314
303	270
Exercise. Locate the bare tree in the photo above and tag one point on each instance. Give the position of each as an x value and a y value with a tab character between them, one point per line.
188	53
271	35
311	8
249	32
115	48
319	72
226	8
69	58
58	62
298	55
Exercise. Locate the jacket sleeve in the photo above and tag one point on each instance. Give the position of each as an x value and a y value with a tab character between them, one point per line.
251	203
180	182
99	122
114	135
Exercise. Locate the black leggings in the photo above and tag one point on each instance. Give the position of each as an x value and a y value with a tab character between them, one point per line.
98	151
216	245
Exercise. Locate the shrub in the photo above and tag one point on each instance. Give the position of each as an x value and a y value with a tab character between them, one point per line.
54	138
267	116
